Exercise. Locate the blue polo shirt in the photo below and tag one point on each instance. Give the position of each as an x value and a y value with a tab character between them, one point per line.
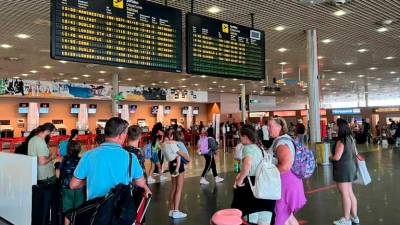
105	167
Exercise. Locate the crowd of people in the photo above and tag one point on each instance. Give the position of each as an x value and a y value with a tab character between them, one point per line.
78	177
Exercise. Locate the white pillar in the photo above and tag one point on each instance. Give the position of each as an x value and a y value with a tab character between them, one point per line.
243	102
115	91
313	87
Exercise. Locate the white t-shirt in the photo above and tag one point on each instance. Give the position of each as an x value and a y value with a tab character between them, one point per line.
265	132
169	151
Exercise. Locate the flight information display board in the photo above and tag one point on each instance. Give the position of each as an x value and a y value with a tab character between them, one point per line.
219	48
127	33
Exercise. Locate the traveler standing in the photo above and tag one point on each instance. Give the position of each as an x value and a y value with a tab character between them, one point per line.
300	131
345	172
265	138
71	199
293	197
62	147
157	134
209	156
133	138
255	211
44	192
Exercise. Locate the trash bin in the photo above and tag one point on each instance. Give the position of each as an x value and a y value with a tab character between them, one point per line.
323	152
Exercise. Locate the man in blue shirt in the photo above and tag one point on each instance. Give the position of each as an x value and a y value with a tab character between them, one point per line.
106	166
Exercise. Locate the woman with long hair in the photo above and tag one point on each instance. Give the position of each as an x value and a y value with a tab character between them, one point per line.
63	146
345	172
293	197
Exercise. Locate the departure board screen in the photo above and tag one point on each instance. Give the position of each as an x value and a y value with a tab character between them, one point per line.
219	48
127	33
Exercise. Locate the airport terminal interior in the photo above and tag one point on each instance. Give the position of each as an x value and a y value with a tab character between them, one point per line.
199	112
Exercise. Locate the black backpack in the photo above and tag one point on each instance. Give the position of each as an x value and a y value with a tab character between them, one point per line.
116	208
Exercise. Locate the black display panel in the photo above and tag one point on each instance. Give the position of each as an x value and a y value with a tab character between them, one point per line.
219	48
126	33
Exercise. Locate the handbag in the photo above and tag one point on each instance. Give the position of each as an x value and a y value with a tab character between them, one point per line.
363	177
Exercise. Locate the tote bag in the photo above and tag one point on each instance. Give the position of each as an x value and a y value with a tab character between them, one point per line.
363	177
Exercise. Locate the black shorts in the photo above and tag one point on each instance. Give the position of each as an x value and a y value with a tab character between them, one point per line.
172	167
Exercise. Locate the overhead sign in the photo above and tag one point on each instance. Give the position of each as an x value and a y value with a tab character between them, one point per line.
378	110
321	111
126	33
258	114
347	111
285	113
219	48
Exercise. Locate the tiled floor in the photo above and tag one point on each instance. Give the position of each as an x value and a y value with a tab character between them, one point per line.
379	203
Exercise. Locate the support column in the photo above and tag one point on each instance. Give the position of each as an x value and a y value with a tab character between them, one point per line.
243	102
313	93
115	91
366	93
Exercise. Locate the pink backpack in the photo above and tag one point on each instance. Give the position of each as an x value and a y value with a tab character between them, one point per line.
203	145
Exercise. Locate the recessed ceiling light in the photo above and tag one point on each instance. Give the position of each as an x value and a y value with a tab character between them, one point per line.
24	74
65	80
340	72
106	83
389	57
349	63
327	84
22	36
154	84
34	71
102	71
323	88
382	29
75	78
373	68
284	72
362	50
61	74
222	86
283	63
320	57
183	86
165	82
147	71
241	84
129	79
333	78
203	76
183	79
85	75
361	76
210	88
340	12
392	72
214	9
280	28
371	77
196	84
235	79
233	89
282	50
388	21
352	81
214	82
273	92
6	46
101	80
120	67
141	85
63	61
16	77
222	91
327	41
378	78
47	67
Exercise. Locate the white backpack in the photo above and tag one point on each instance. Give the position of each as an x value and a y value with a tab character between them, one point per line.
268	179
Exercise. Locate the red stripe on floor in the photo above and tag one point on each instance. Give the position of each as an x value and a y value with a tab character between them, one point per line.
332	186
301	222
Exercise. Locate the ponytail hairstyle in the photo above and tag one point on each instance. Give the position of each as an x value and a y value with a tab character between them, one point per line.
282	123
74	133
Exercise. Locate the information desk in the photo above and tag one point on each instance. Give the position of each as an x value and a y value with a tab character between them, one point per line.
126	33
219	48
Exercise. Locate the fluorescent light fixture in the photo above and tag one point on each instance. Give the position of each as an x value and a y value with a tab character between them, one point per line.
362	50
349	63
340	12
65	80
129	79
280	28
340	72
333	79
16	77
361	76
283	63
203	76
282	50
22	36
75	78
196	84
102	71
241	84
210	88
6	46
327	41
214	9
33	71
24	74
214	82
154	84
373	68
106	83
85	75
392	72
235	79
389	57
165	82
47	67
382	29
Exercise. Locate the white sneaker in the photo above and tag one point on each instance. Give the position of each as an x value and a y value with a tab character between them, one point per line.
204	181
163	178
150	180
342	221
171	212
218	179
355	220
178	215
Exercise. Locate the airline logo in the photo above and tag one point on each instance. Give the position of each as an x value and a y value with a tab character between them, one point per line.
118	4
225	28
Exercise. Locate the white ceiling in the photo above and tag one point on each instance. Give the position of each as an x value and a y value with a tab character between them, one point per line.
351	32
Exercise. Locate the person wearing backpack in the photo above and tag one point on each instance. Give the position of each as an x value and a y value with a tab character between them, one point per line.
255	210
105	169
293	197
70	198
208	147
345	172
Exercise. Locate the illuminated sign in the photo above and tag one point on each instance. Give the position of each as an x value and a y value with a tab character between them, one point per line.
220	48
258	114
285	113
378	110
126	33
321	111
347	111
